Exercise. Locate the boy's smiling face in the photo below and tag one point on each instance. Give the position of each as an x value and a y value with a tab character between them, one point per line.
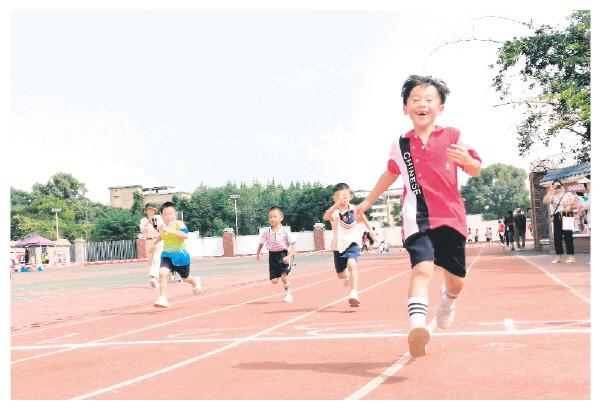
423	105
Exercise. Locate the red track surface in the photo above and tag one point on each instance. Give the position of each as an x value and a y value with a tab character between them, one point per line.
522	332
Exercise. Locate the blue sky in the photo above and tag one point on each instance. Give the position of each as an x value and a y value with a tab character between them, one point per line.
201	96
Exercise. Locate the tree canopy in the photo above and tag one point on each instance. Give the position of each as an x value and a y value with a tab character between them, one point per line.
554	68
498	189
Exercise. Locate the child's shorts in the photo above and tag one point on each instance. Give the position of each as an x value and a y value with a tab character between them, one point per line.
444	246
340	259
277	266
184	271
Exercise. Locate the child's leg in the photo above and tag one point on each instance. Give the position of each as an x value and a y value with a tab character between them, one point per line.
454	284
353	272
163	275
274	280
284	280
418	293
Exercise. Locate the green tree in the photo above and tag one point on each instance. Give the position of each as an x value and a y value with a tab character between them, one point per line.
397	213
62	185
554	65
115	225
498	189
138	204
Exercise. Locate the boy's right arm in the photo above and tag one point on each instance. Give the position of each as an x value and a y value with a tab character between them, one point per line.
329	212
383	183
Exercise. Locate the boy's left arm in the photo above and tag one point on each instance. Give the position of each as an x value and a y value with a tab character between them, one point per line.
291	253
463	158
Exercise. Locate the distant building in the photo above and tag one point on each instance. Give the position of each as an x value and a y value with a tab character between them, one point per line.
122	196
382	208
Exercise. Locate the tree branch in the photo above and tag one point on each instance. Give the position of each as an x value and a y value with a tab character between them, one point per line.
528	25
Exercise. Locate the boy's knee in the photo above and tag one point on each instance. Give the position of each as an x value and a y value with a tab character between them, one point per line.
423	269
275	280
163	273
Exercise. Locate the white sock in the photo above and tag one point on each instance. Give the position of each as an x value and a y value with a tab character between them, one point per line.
448	299
417	311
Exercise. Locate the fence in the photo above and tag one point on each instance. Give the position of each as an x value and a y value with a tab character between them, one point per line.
110	251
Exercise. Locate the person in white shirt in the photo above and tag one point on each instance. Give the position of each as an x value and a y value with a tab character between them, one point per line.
347	234
148	232
562	204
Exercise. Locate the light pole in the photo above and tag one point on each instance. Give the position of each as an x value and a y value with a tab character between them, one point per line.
56	211
235	198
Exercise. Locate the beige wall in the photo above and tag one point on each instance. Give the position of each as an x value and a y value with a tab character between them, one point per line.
123	197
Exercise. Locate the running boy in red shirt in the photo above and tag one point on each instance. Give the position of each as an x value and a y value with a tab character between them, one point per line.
433	214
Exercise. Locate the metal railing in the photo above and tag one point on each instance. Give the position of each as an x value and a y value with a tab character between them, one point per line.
110	250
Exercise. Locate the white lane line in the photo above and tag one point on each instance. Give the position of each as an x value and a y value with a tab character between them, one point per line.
339	336
226	347
179	302
58	338
374	383
509	324
557	280
169	322
400	363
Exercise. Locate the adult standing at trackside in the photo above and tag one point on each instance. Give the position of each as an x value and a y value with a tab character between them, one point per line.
562	204
148	233
520	228
509	222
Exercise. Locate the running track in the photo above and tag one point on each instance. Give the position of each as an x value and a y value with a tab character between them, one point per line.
522	332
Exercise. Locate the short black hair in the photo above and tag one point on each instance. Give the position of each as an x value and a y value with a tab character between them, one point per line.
166	205
340	186
416	80
276	207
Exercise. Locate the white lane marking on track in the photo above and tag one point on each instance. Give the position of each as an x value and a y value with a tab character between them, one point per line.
557	280
509	324
169	322
57	338
400	363
179	302
227	347
339	336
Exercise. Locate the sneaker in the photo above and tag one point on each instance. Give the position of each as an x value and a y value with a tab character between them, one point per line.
445	314
288	297
198	287
154	283
556	260
570	259
417	340
161	302
353	299
347	279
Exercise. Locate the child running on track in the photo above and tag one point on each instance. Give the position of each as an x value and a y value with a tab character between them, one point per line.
281	245
174	257
433	214
347	234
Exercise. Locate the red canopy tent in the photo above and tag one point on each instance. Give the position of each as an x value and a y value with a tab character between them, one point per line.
34	240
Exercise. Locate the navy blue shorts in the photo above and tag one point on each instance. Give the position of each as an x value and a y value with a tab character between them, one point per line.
341	259
444	246
184	271
277	266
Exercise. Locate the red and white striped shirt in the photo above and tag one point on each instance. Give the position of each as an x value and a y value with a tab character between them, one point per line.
431	198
